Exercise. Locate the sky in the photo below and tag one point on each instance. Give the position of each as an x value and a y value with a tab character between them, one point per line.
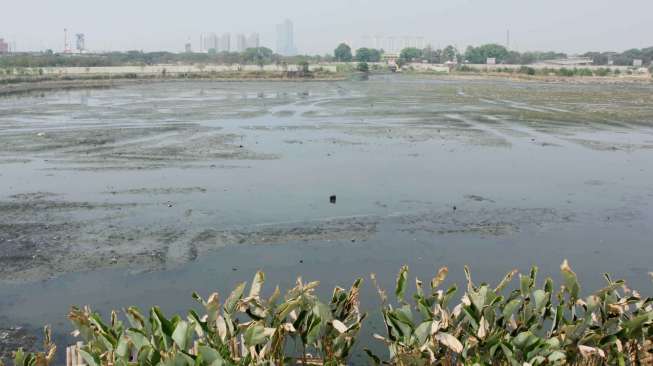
572	26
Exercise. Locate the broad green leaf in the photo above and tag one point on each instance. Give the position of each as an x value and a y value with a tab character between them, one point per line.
210	356
91	360
255	335
422	332
540	300
181	335
571	281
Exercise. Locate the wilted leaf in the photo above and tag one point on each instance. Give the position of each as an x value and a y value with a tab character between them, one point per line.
257	284
450	341
587	351
439	278
570	280
339	326
402	278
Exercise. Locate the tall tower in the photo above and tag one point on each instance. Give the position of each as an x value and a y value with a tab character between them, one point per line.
80	43
66	44
286	39
508	39
253	41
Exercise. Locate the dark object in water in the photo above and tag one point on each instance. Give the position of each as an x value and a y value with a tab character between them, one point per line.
332	199
455	208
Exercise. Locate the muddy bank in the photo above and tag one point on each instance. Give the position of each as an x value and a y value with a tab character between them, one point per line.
75	82
153	176
13	338
43	236
56	85
583	80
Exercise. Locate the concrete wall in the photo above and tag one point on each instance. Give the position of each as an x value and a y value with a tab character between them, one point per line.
426	67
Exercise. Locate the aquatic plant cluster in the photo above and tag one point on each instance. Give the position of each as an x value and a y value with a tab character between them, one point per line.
491	325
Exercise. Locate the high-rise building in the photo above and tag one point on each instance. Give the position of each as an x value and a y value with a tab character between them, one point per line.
210	43
253	41
187	48
241	42
286	39
80	43
225	43
4	46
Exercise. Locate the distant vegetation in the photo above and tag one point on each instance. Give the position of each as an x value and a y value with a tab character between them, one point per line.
343	53
530	323
251	56
547	71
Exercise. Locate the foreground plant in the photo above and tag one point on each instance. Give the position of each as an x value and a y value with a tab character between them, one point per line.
44	358
528	325
246	330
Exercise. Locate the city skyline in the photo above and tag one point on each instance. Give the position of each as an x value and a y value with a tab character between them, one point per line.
318	28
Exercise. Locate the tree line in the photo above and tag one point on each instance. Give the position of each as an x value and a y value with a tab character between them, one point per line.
343	53
251	56
480	54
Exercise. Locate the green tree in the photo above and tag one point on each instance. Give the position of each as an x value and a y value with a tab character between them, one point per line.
257	56
368	55
449	53
343	53
363	55
432	56
479	55
410	54
363	67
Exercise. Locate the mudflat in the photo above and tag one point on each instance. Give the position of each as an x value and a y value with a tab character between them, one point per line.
135	193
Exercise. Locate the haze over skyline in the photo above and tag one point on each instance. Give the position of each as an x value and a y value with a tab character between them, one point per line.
569	26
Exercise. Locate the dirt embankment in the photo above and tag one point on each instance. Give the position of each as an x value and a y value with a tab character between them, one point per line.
629	79
50	83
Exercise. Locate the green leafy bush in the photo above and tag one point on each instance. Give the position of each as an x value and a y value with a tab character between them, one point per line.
532	323
246	330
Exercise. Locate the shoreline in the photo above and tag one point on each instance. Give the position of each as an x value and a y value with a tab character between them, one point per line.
73	83
85	82
606	80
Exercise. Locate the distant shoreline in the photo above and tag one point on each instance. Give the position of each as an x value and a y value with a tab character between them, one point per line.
31	85
71	82
544	79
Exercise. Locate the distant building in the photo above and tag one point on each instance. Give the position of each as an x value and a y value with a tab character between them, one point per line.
241	42
637	63
209	43
4	46
80	43
187	48
225	43
392	44
286	39
253	41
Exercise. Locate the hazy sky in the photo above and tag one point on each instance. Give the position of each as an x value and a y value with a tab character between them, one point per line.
566	25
